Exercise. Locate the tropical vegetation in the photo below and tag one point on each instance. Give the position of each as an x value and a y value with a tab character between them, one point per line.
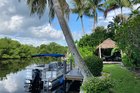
122	29
12	49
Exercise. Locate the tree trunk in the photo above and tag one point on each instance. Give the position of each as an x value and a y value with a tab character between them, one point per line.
82	25
95	20
68	37
122	14
94	25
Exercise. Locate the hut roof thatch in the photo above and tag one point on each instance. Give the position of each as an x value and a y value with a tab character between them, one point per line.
108	43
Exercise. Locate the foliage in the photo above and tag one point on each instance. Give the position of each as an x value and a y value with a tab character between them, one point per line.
125	81
38	7
95	64
128	39
86	51
79	9
93	39
114	4
126	61
92	8
114	50
97	85
11	49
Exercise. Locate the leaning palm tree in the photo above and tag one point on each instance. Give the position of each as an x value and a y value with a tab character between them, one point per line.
92	8
60	8
79	9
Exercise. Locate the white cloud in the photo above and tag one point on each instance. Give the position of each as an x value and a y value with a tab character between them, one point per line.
16	23
47	31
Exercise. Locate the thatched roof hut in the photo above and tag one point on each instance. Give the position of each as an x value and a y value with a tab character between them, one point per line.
108	43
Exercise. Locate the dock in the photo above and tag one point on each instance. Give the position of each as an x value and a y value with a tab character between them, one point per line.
52	75
74	74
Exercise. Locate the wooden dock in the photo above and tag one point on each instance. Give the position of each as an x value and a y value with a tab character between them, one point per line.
74	74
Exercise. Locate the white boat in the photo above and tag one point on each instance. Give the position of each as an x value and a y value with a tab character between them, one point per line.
47	76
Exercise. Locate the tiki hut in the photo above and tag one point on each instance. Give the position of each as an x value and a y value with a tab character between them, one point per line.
105	48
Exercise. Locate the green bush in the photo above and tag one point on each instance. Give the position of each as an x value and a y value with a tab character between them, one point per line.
126	61
95	64
97	85
86	51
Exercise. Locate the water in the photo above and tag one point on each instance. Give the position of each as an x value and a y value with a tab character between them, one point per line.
12	78
13	83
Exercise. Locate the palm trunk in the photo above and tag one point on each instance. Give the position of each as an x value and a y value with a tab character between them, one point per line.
68	36
121	14
94	25
95	20
82	25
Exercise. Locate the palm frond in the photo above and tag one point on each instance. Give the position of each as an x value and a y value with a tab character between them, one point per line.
65	8
37	6
113	7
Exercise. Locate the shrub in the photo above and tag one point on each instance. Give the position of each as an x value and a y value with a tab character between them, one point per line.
97	85
86	51
126	61
95	64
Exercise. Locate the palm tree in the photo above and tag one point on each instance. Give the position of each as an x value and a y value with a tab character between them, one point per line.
92	8
114	4
79	9
117	22
60	8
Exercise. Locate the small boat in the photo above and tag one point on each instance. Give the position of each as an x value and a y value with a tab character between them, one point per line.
45	76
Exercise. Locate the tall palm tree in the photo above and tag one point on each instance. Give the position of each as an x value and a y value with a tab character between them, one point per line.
114	4
58	8
79	9
92	8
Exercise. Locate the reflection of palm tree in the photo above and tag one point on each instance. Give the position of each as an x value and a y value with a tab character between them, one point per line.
60	8
79	9
92	8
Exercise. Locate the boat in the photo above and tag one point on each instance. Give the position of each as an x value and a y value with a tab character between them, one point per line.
45	76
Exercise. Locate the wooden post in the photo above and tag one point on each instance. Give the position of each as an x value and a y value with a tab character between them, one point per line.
64	74
64	69
100	53
70	64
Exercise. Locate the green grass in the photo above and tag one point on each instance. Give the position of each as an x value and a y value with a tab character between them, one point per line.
125	81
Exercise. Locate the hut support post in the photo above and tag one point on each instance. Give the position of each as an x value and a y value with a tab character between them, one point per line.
100	53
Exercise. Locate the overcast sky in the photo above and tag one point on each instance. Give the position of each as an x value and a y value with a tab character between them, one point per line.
16	23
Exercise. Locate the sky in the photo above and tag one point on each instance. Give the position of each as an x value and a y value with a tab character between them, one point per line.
17	24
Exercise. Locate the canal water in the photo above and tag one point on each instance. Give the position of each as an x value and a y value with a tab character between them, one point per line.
12	79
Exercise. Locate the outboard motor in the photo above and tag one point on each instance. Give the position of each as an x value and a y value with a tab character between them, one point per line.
36	84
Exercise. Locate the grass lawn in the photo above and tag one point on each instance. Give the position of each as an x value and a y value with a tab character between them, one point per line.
125	81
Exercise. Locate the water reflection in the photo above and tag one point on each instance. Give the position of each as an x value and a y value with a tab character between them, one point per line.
15	82
13	75
13	66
